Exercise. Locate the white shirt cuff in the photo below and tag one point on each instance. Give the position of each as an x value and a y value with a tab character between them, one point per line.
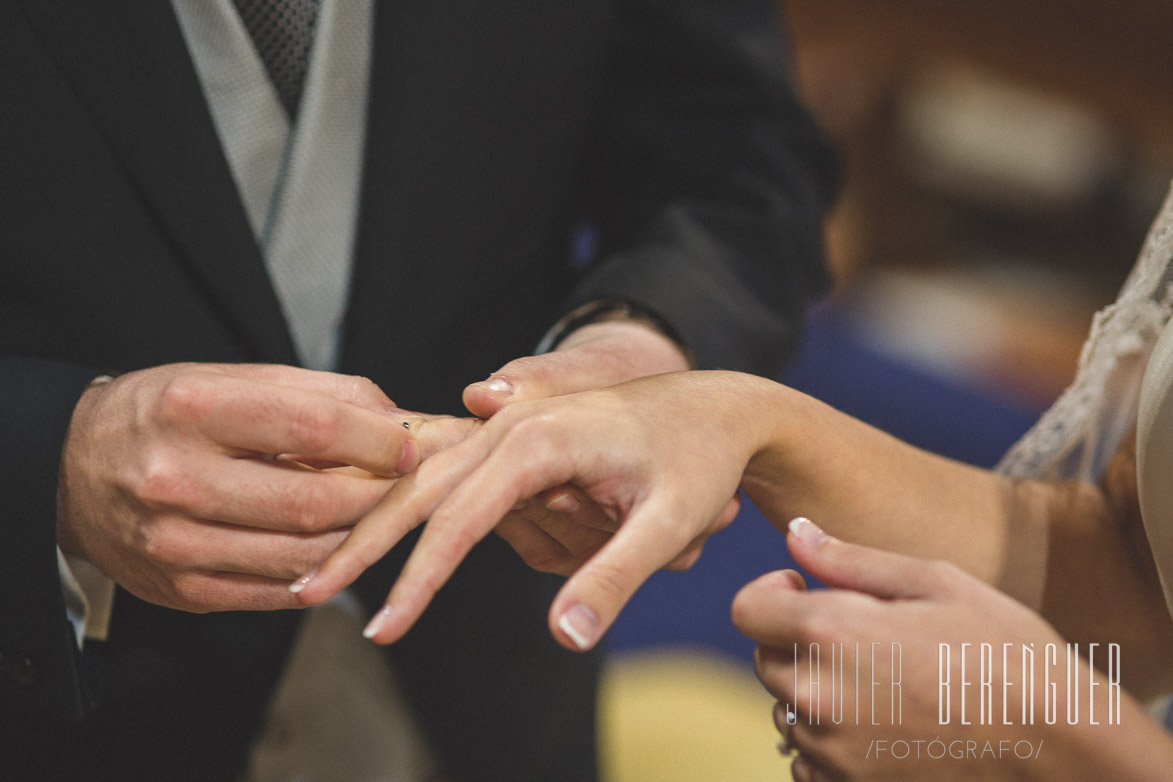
89	597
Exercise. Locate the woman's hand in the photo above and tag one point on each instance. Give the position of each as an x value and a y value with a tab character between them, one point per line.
858	672
660	457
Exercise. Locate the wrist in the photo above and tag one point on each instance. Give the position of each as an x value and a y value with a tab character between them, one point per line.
83	411
1129	745
777	413
645	350
568	331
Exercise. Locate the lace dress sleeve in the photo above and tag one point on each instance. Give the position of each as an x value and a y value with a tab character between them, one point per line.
1154	457
1078	435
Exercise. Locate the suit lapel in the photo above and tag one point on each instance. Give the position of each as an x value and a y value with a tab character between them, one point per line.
128	63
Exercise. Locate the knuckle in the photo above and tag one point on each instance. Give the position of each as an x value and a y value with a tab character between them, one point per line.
159	545
745	610
311	507
541	372
193	592
739	609
310	553
609	579
162	483
818	628
727	515
530	367
524	431
354	560
533	433
313	429
202	593
458	541
364	389
545	559
536	551
420	587
454	535
183	399
521	418
150	543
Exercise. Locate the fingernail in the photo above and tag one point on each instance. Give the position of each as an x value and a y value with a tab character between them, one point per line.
580	625
301	583
563	502
808	532
377	622
409	457
499	385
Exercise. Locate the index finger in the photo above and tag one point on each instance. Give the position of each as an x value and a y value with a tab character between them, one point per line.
274	419
354	389
490	478
404	507
515	470
776	610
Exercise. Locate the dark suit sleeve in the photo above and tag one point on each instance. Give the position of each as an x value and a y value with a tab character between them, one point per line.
710	181
38	651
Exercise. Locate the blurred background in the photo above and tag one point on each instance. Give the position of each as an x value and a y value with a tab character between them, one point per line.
1002	163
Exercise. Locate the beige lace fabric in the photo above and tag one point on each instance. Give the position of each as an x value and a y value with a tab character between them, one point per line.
1078	435
1154	458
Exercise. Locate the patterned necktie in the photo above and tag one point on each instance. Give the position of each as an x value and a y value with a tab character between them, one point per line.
283	32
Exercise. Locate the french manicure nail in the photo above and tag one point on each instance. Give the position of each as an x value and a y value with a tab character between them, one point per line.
377	622
808	532
580	625
301	583
499	385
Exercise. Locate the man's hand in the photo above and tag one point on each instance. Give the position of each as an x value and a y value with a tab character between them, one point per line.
189	484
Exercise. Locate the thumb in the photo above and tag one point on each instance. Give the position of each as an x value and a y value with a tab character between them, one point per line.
594	356
533	377
864	569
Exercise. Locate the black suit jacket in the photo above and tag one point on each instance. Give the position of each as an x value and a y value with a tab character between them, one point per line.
501	136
